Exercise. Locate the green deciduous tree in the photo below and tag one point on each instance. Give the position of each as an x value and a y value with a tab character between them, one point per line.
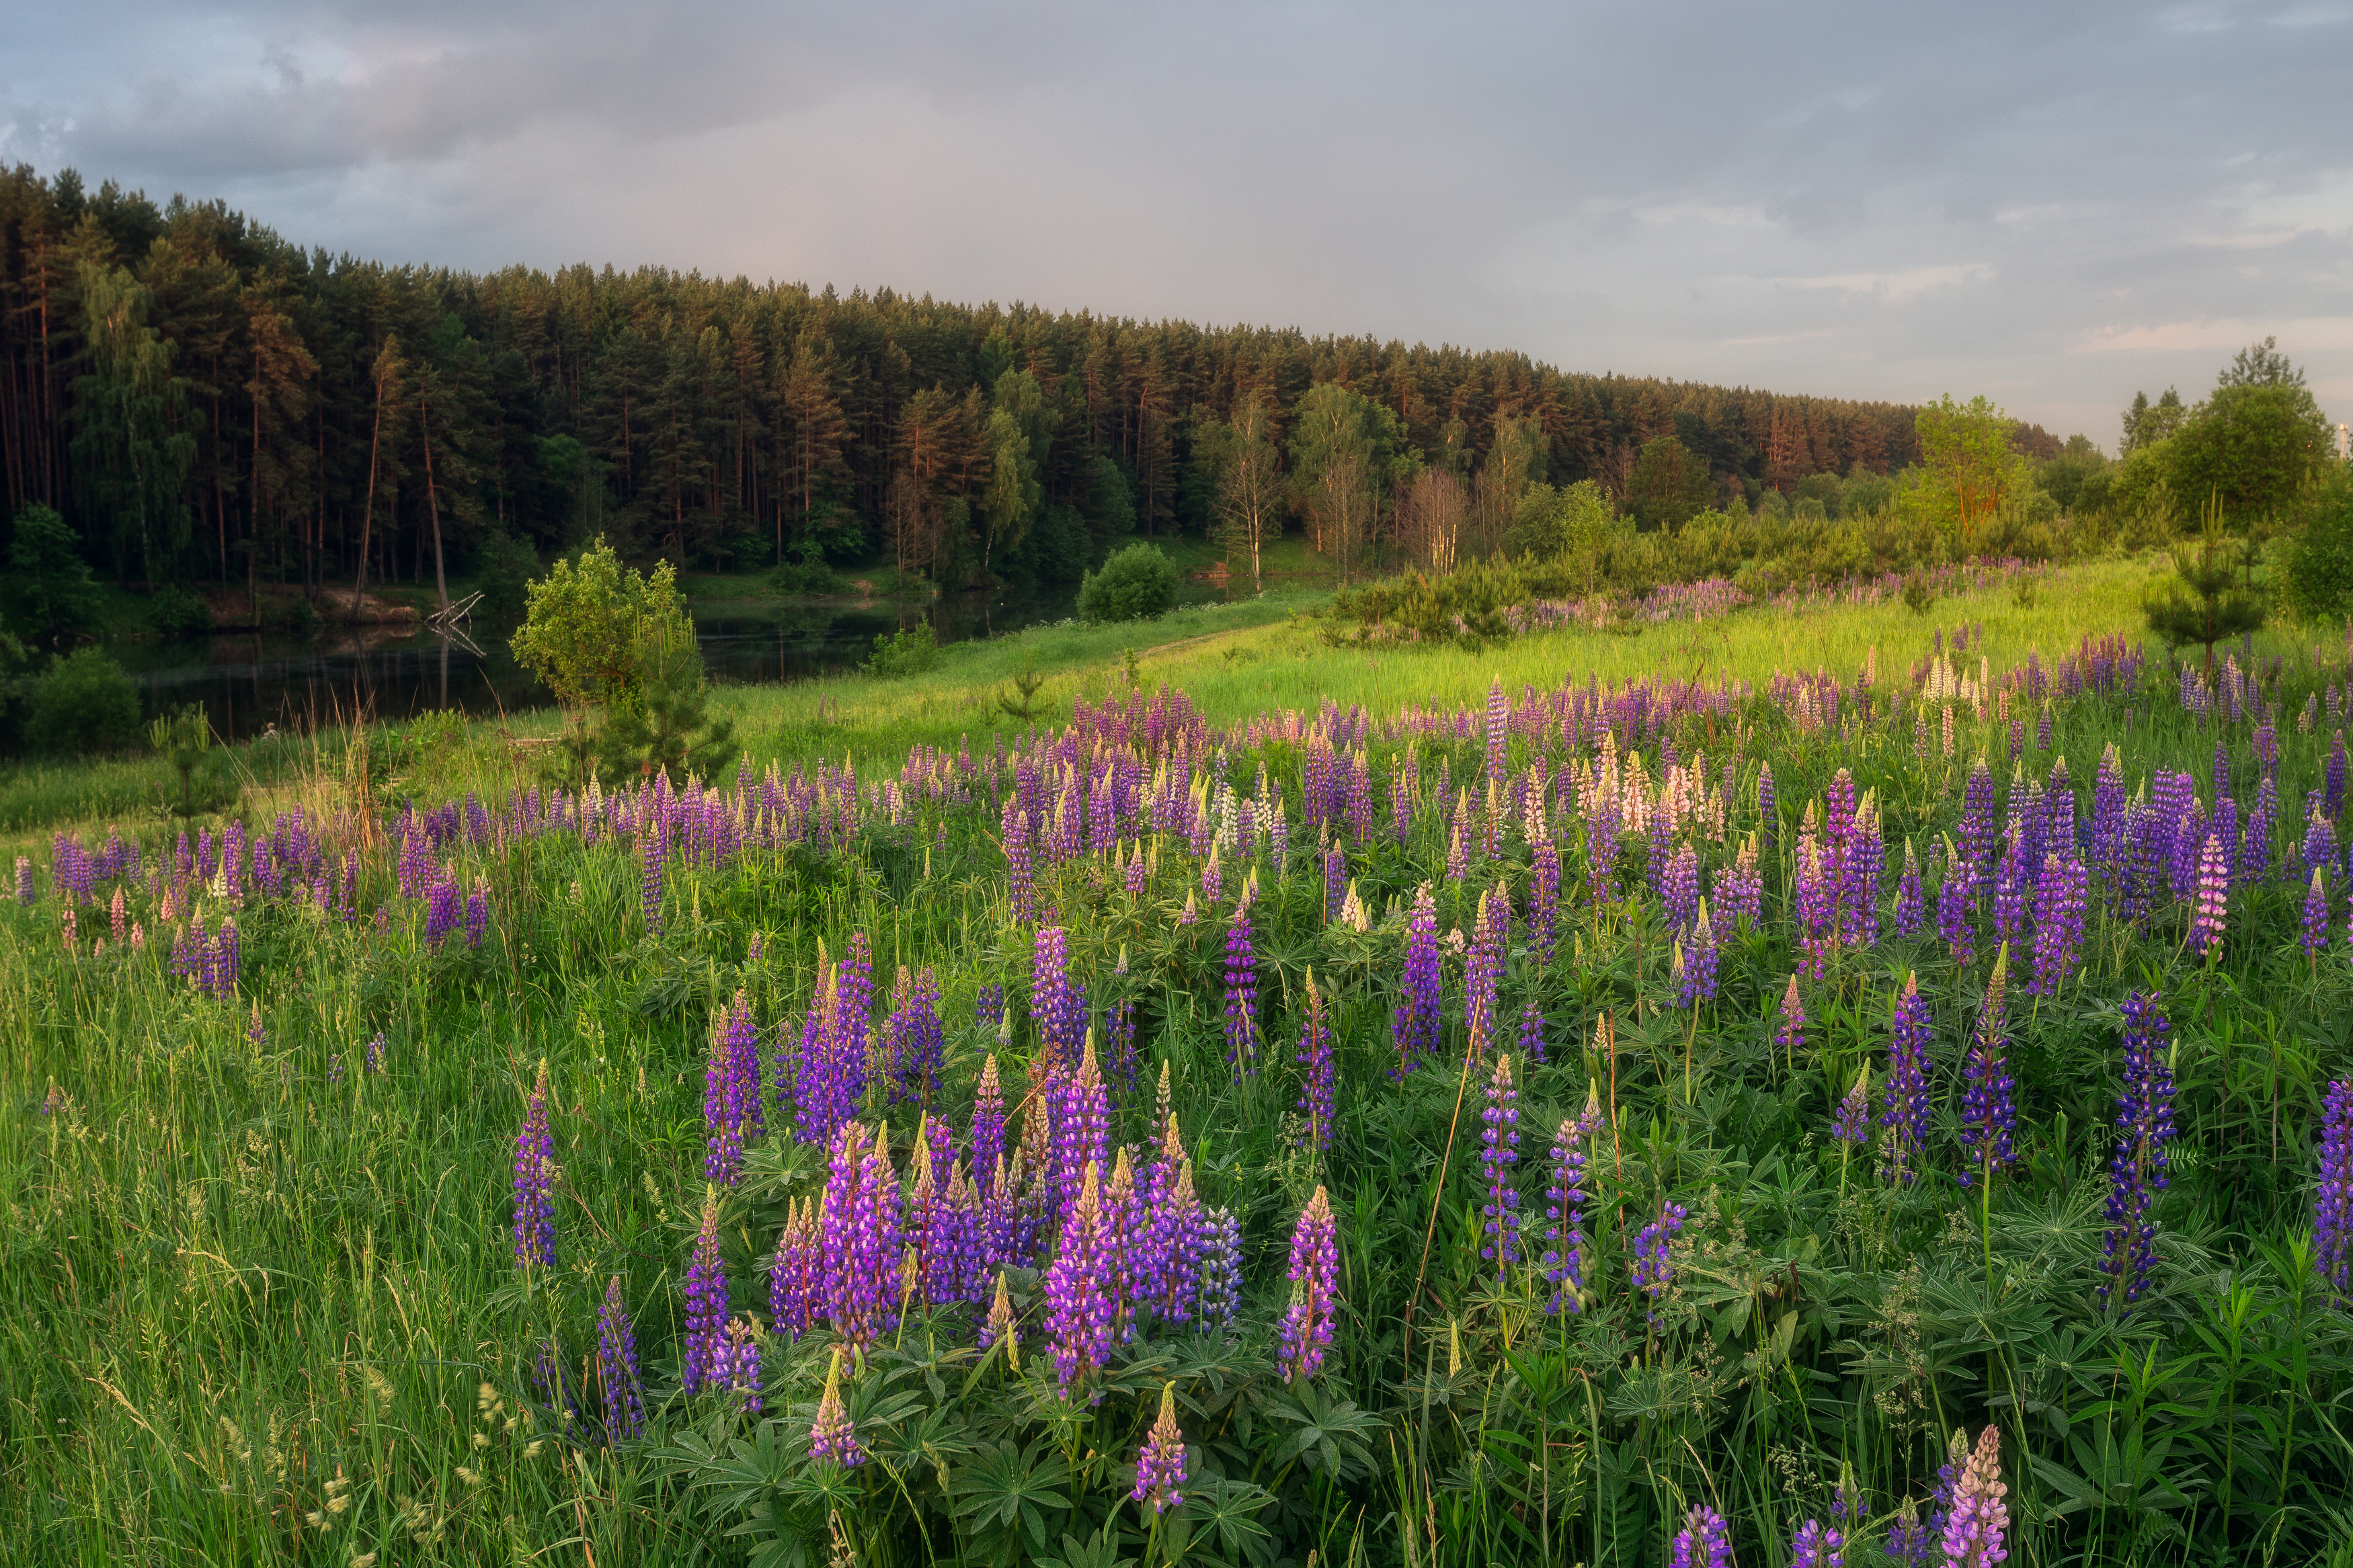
592	627
2253	445
1245	479
1966	446
130	452
1671	485
2317	567
48	593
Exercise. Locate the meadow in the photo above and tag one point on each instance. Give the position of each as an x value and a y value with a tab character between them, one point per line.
1620	1096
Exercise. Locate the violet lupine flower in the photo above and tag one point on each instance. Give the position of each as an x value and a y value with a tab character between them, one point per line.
1768	814
705	1362
2212	911
1544	896
442	913
1563	1258
988	1004
987	1131
1169	1261
1792	1032
535	1176
1979	1519
2060	895
1911	903
1911	1542
1976	834
1213	879
1314	1274
24	894
1241	993
1160	1467
1336	880
1704	1541
1499	1150
1678	887
1989	1109
1654	1267
833	1436
1419	1010
478	917
1531	1032
1861	866
2137	1171
912	1035
1483	968
858	1236
1013	829
730	1093
736	1367
1059	1006
1315	1058
1815	1547
2012	886
1740	887
2314	935
1220	1299
618	1377
2332	1202
375	1049
1081	1130
1697	983
1955	901
1905	1110
650	889
1079	1296
1852	1125
797	1292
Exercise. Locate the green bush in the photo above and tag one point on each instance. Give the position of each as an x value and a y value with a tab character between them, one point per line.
2317	568
49	591
175	612
908	652
85	703
1138	583
506	566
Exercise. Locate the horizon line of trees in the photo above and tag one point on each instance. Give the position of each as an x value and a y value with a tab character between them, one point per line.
203	402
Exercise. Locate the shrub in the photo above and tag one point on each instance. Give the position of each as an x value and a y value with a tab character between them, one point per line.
909	652
49	591
2317	568
593	624
1136	584
85	703
175	612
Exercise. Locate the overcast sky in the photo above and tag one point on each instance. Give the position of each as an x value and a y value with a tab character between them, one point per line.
2051	204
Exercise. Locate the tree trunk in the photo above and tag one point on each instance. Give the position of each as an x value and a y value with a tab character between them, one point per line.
433	506
367	512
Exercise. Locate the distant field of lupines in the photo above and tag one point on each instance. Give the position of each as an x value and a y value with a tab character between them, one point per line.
1883	1111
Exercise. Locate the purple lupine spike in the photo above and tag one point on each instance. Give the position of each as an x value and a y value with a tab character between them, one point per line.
1078	1298
1911	903
1956	914
796	1294
1975	1530
2137	1170
1861	866
2314	934
822	1095
1532	1031
2060	893
1905	1110
1653	1263
2212	915
1483	968
987	1131
534	1176
2012	888
833	1436
1336	880
1125	1259
863	1250
2332	1202
1220	1300
618	1377
1852	1125
1704	1541
988	1004
913	1039
1315	1076
705	1361
1790	1033
1241	993
1815	1545
650	877
1160	1466
1679	888
1989	1109
1564	1195
1816	911
1499	1150
1420	1008
737	1365
1082	1124
1740	887
1768	811
1976	834
722	1114
1057	1005
1314	1274
1544	898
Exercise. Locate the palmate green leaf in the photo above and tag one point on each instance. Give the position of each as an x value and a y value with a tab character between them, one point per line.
1001	1488
1332	1436
1099	1550
1224	1511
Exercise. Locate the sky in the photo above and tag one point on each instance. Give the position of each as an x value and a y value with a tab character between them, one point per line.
2053	204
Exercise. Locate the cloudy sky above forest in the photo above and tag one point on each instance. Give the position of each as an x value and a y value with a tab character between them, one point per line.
2052	203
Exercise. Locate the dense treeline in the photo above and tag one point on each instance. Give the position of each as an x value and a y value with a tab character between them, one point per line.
203	401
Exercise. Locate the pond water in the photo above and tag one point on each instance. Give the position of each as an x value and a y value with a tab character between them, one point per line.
248	681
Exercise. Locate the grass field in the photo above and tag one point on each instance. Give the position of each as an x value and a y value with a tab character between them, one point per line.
260	1292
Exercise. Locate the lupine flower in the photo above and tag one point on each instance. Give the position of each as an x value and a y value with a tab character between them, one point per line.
1169	1277
618	1377
1315	1276
1483	968
1911	903
478	916
1852	1125
375	1048
1419	1009
988	1004
1532	1031
548	1380
1910	1543
736	1367
1905	1110
2212	911
913	1037
535	1176
1815	1547
1499	1151
706	1361
1979	1519
1768	814
1124	1245
2315	933
2060	896
1221	1298
1059	1006
1081	1129
1704	1541
833	1436
1335	879
2137	1171
2332	1204
1956	899
650	883
1698	982
1241	993
1544	896
859	1234
1792	1032
1315	1076
987	1131
1563	1258
1977	832
1988	1111
1679	887
730	1093
1160	1467
999	1327
1078	1294
1653	1261
797	1276
2012	889
1816	915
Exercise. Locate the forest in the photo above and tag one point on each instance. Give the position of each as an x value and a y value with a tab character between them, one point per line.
204	402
